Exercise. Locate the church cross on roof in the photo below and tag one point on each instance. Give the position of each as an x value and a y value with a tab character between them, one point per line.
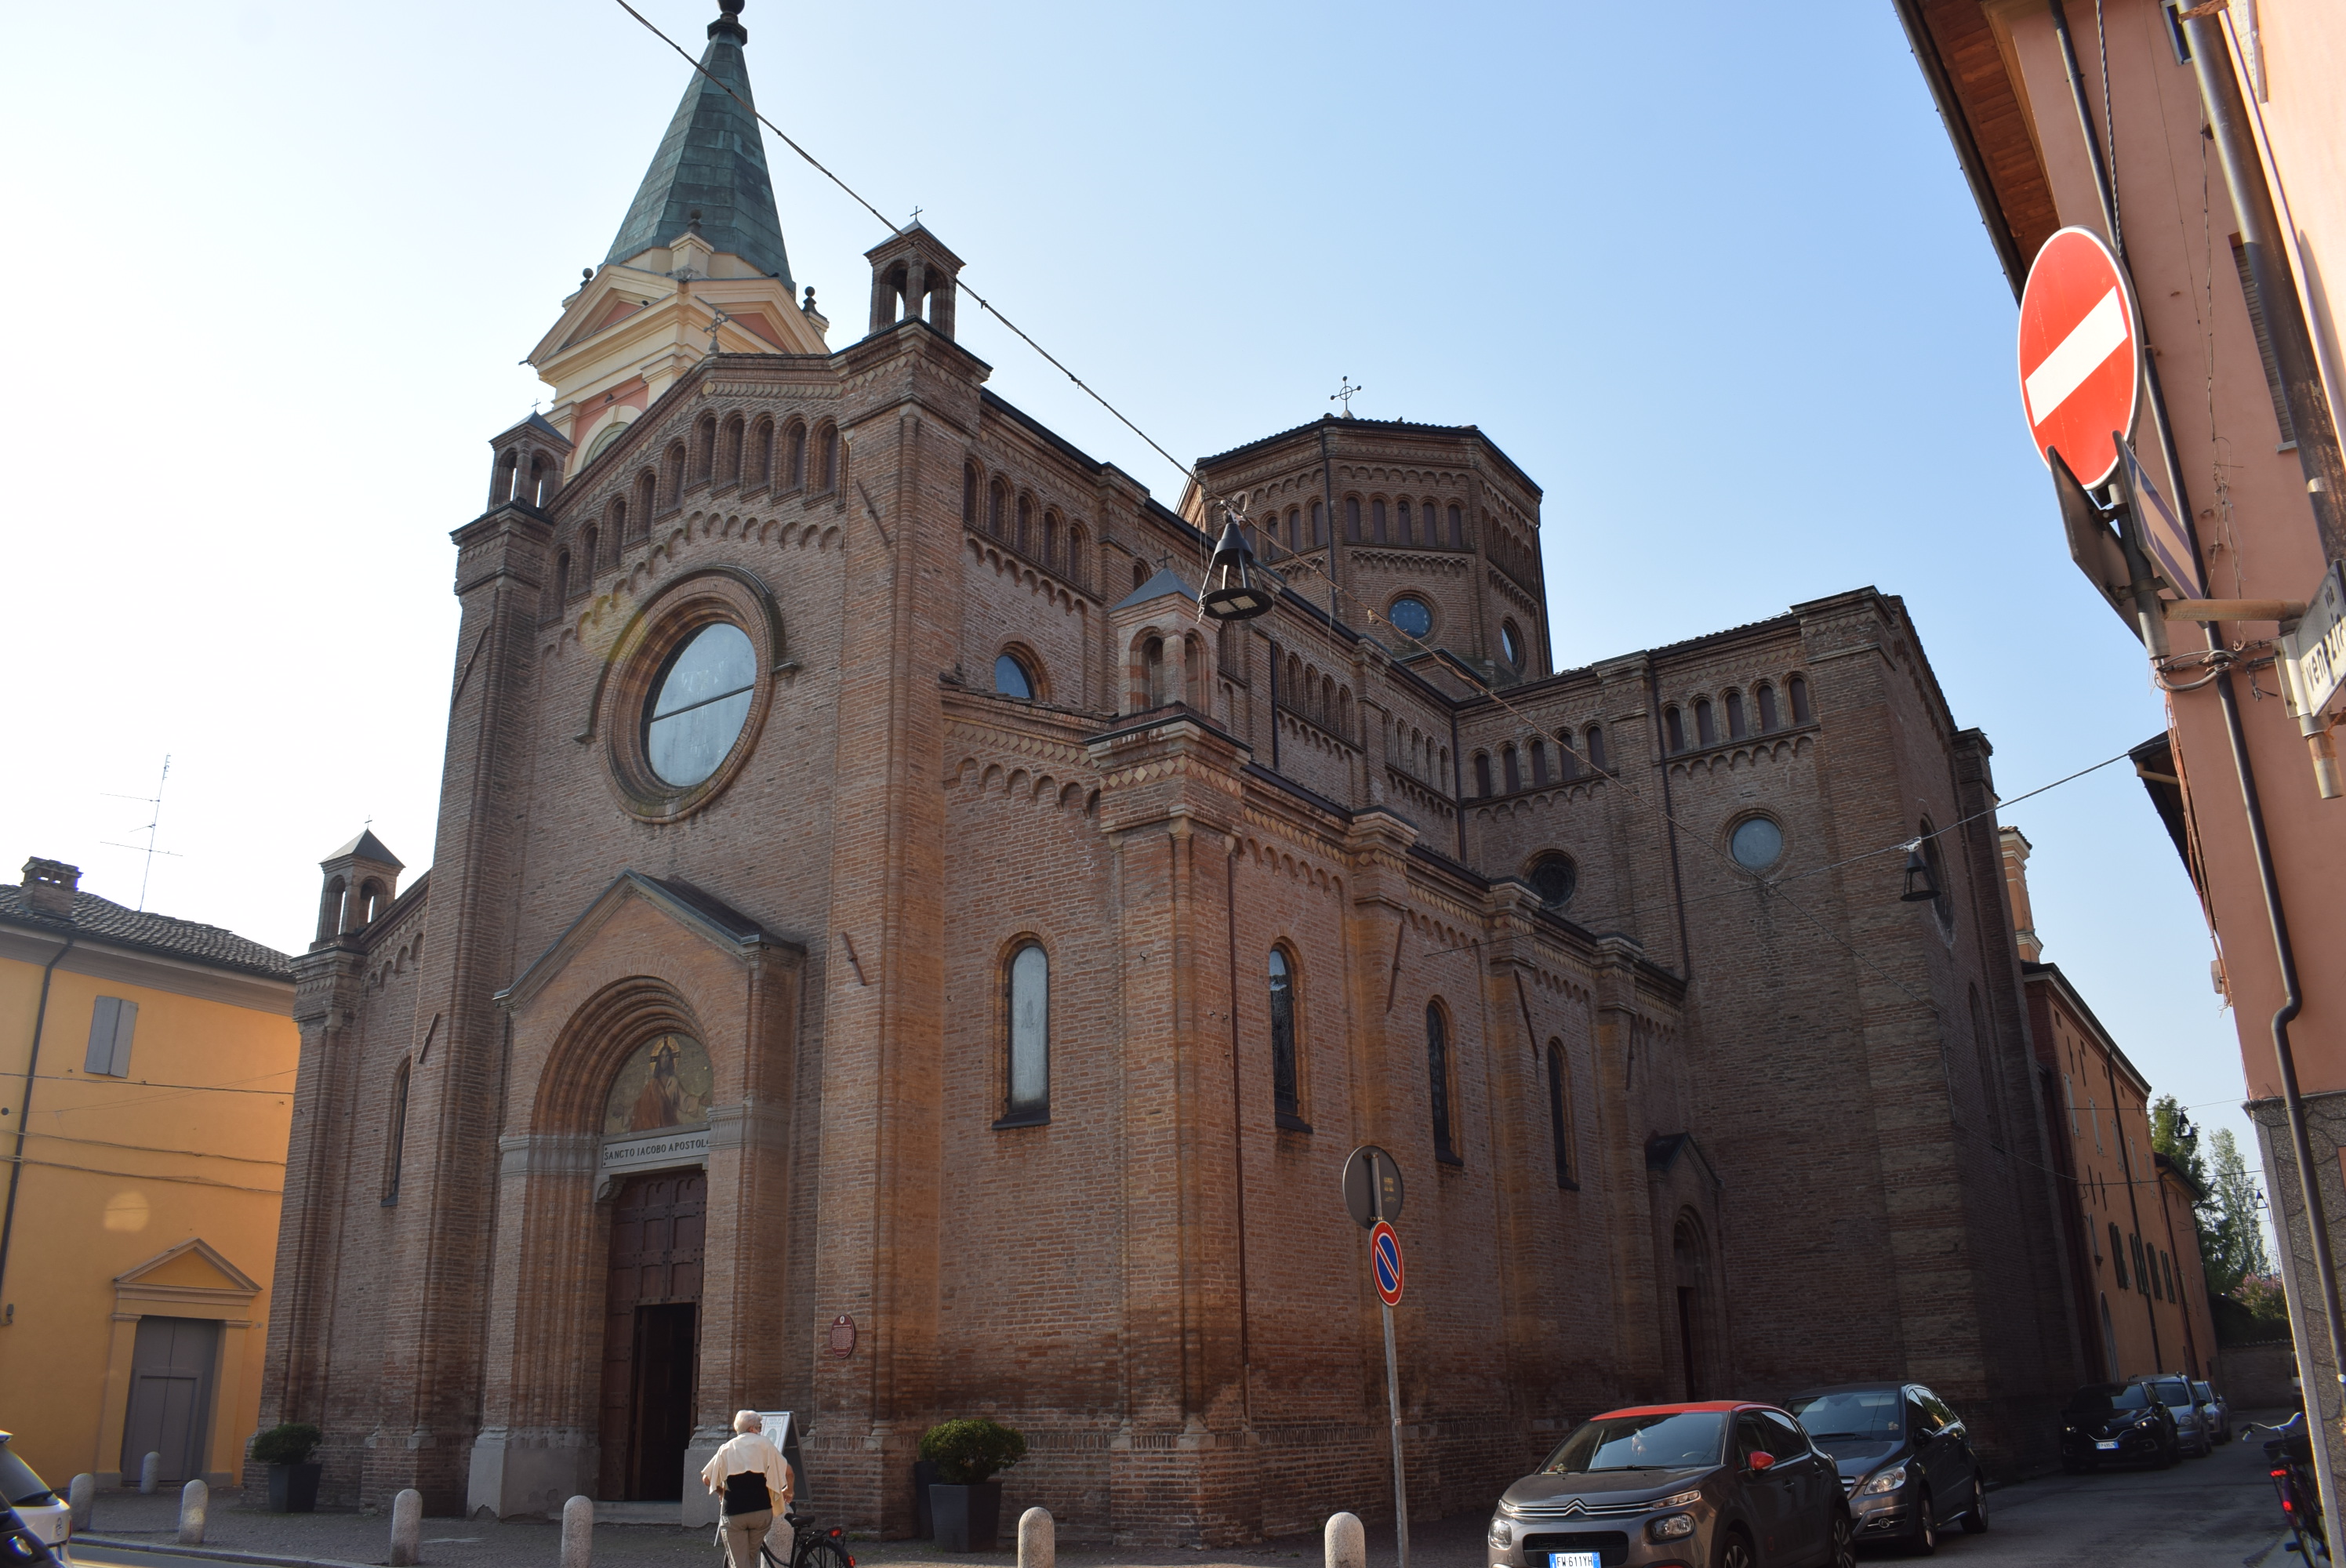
709	173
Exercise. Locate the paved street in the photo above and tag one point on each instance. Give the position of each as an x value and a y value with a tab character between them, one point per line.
2204	1513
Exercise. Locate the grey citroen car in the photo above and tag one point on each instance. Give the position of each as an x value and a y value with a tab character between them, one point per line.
1722	1484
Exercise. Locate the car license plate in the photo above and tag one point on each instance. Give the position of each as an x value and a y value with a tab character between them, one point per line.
1574	1560
2106	1442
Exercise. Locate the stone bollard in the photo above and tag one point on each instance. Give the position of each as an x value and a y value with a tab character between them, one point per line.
195	1501
1037	1540
1344	1542
406	1527
81	1493
149	1469
578	1532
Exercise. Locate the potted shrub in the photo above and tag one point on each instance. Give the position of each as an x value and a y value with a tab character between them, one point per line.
293	1475
966	1502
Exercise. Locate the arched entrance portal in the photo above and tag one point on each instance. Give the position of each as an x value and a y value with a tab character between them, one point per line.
651	1334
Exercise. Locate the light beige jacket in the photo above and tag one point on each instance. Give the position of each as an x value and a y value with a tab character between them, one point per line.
751	1451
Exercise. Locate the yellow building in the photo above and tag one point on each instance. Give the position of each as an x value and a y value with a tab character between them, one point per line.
146	1073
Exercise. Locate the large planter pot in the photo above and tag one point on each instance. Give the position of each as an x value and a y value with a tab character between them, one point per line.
966	1517
293	1488
924	1476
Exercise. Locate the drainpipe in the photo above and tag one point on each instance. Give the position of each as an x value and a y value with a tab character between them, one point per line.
2262	242
23	1123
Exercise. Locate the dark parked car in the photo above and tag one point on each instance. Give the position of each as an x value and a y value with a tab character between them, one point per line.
2116	1423
1722	1484
1905	1456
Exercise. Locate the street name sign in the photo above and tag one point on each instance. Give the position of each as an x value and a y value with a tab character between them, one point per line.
1384	1260
2080	353
2315	650
2164	538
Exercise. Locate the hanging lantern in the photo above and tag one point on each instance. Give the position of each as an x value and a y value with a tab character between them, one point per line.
1232	593
1921	882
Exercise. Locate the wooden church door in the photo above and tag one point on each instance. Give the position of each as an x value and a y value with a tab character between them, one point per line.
652	1335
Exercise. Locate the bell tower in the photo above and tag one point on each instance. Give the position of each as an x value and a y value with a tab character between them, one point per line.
697	265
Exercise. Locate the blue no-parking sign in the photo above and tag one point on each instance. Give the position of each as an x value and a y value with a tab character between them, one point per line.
1384	1257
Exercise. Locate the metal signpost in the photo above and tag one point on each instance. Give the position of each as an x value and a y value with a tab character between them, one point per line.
1372	1194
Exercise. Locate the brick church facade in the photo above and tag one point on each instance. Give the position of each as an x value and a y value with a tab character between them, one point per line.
888	958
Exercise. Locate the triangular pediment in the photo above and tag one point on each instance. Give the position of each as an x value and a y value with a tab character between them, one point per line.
633	894
193	1265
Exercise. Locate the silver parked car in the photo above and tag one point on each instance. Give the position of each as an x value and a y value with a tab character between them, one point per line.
2173	1390
2215	1411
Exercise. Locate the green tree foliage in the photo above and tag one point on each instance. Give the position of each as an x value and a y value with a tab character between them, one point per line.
2231	1238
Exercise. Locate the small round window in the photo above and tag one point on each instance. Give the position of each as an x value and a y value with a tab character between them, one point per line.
1757	844
1554	878
699	704
1011	679
1410	615
1511	644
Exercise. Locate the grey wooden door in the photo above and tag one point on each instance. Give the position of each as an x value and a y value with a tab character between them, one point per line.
171	1369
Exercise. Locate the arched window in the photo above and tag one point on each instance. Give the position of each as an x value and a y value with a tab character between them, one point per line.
1286	1091
1193	671
1012	678
1706	729
1482	774
1597	748
997	512
1140	573
1766	694
1403	533
673	478
646	501
1156	680
728	453
762	455
1377	520
1539	762
1799	685
1510	768
1437	1080
1457	529
1567	760
330	909
1026	999
1295	528
704	456
1511	644
373	898
969	495
797	469
1318	525
1051	540
1352	518
1078	556
395	1142
1558	1122
1025	539
614	525
590	541
1674	729
562	578
1735	727
826	447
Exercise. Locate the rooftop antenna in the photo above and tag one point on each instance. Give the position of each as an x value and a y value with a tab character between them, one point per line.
153	823
1345	393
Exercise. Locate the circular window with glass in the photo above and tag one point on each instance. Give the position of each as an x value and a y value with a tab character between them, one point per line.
1554	878
1410	615
699	705
1757	844
1012	678
1511	644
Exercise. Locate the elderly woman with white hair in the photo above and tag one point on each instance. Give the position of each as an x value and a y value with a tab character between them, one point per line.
752	1481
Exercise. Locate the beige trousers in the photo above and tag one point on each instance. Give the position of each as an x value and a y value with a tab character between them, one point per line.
741	1534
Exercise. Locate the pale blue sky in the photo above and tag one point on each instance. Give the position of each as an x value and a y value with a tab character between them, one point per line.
1710	276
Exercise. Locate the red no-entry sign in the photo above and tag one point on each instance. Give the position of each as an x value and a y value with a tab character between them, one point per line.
1384	1259
2080	353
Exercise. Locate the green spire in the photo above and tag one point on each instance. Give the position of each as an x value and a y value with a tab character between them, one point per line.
712	163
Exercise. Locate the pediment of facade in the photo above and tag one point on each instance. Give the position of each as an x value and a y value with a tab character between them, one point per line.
634	918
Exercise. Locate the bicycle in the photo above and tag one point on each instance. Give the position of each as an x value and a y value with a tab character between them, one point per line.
2290	1454
810	1547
